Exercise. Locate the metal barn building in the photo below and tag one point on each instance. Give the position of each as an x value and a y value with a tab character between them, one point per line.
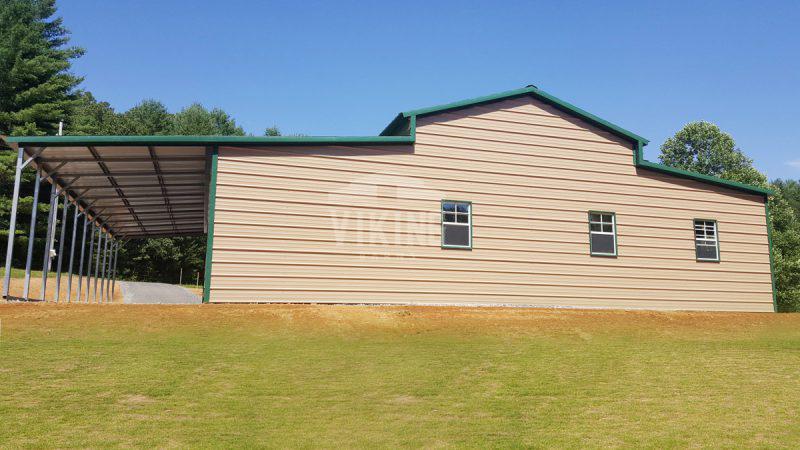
517	198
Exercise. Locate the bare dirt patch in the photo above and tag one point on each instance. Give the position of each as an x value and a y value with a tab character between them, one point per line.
582	324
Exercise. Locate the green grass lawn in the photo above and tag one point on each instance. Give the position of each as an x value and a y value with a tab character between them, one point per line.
20	273
331	376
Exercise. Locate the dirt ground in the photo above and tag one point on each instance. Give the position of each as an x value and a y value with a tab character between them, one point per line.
466	320
18	284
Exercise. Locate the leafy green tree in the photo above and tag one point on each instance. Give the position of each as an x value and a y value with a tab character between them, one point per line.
272	131
36	88
702	147
148	118
37	91
92	118
196	120
785	250
791	192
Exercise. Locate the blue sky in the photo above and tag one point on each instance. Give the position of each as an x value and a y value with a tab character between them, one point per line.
346	68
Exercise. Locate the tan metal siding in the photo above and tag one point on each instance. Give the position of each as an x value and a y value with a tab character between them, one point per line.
361	224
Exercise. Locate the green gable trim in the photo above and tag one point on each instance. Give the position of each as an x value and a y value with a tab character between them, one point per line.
66	141
401	131
639	161
405	125
393	127
704	178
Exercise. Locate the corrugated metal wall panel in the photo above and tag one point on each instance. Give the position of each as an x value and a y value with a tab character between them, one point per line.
361	224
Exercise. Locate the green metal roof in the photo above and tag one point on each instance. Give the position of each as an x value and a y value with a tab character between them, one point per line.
66	141
402	130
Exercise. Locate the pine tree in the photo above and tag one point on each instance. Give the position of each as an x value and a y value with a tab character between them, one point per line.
36	88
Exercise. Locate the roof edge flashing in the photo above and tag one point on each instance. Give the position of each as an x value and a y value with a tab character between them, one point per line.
522	92
645	164
66	141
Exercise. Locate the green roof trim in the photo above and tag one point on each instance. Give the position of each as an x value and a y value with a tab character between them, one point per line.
529	90
639	161
402	130
404	124
63	141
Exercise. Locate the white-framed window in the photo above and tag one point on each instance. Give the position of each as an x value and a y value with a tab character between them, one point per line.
602	233
706	240
456	224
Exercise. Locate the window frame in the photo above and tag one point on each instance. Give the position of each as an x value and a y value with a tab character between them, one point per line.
613	232
442	223
716	240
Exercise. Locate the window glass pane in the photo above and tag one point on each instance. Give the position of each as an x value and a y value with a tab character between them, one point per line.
463	218
462	207
448	206
607	228
595	227
603	243
456	235
594	217
705	233
706	252
449	217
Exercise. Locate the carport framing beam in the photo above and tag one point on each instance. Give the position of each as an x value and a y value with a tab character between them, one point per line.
157	168
177	158
113	181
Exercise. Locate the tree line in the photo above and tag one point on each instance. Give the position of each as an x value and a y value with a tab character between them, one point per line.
37	91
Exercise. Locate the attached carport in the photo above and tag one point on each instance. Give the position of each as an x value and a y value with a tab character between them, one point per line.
118	188
112	189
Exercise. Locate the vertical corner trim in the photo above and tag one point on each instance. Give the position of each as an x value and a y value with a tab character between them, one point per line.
212	200
771	260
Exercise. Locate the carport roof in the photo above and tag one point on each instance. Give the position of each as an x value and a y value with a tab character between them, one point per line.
148	186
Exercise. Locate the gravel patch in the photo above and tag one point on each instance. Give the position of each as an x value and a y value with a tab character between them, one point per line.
160	293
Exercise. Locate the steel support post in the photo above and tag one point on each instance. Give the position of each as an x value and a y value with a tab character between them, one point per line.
89	265
49	239
31	235
103	271
111	267
114	271
108	273
72	254
97	262
12	223
80	263
61	245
